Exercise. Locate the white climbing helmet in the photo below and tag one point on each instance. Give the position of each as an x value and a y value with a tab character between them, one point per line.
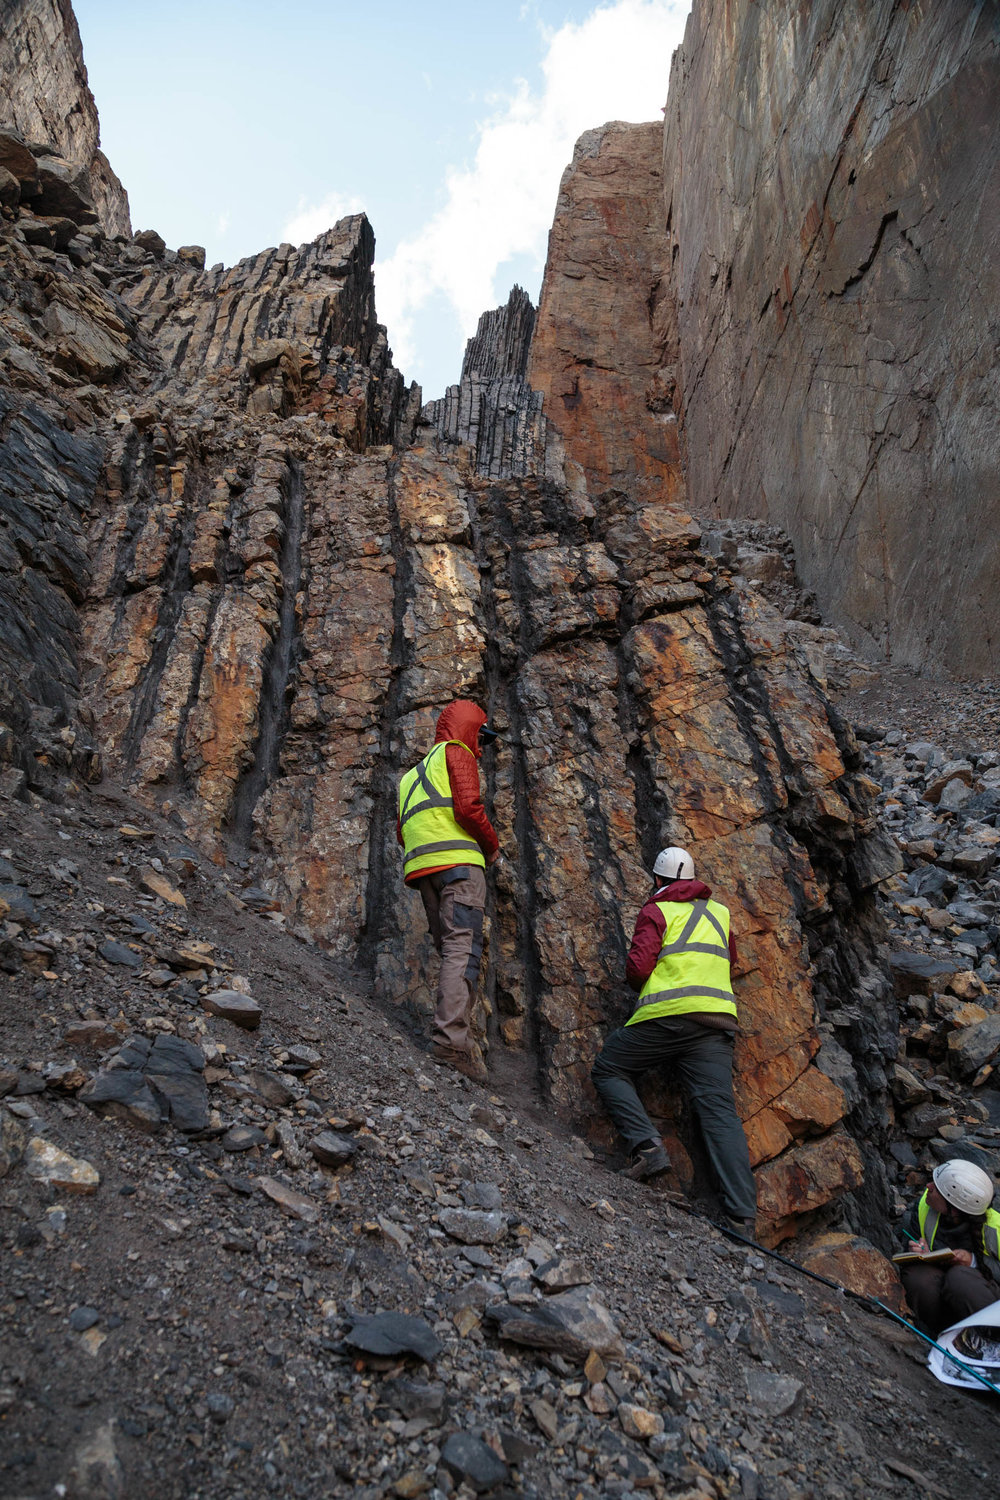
674	864
964	1185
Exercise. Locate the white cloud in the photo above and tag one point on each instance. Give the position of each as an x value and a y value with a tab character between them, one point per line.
615	65
312	218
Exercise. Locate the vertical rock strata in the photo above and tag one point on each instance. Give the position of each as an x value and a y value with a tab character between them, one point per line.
243	572
493	410
832	177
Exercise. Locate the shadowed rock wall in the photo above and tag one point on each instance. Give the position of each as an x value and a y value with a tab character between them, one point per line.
833	228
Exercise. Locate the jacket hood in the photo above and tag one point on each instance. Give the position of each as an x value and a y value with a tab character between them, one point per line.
461	720
683	890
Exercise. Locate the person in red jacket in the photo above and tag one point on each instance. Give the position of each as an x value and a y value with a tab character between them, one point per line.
680	964
448	843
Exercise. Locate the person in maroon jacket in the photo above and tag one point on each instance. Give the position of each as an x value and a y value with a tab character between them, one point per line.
453	887
680	965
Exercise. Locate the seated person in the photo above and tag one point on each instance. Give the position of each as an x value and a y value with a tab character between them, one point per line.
953	1213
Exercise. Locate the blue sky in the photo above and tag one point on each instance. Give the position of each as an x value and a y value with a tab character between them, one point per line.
239	125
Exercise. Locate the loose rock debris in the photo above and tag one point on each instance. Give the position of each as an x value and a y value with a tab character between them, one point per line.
219	1361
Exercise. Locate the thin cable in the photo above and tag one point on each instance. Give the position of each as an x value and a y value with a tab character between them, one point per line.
870	1302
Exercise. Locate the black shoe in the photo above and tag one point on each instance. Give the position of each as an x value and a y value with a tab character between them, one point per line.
647	1162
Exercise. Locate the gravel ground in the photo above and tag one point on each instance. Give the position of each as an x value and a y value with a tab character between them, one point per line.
182	1332
959	716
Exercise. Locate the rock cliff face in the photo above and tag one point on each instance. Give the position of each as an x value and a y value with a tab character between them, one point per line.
604	353
47	101
252	594
832	233
242	573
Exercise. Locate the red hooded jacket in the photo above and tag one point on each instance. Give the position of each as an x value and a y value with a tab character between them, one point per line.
462	720
647	940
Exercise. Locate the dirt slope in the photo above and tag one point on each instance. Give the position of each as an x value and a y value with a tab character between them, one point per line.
213	1363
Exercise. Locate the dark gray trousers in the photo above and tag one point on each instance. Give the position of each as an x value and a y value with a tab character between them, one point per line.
704	1059
941	1296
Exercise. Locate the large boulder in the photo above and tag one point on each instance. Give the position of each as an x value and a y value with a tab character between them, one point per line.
970	1048
64	191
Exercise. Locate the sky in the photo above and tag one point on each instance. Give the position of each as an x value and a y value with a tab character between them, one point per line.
236	125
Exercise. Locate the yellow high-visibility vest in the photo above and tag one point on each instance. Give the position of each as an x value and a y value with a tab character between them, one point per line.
432	837
692	971
928	1219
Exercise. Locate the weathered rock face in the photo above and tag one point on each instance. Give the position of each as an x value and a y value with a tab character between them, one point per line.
492	409
832	231
604	353
244	573
47	101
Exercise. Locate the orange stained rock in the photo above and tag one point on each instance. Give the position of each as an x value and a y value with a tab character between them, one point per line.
223	724
605	328
853	1262
159	746
813	1104
766	1136
803	1179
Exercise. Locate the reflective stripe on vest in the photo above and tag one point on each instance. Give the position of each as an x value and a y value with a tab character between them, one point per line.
692	971
928	1220
431	832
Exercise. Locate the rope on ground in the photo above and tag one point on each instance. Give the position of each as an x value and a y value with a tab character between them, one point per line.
871	1303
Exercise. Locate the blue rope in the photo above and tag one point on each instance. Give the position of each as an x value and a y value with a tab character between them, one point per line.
734	1234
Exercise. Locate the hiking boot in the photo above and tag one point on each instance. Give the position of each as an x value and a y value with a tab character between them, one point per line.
746	1227
647	1162
469	1064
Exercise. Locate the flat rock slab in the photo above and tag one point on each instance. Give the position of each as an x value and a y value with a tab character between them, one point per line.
559	1274
71	1174
468	1459
19	904
972	1047
570	1323
916	974
333	1150
484	1195
414	1398
233	1006
389	1334
151	1082
160	886
117	953
472	1226
95	1034
295	1205
259	900
243	1138
270	1086
774	1395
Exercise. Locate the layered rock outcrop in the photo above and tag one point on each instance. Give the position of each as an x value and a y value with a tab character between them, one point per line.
268	592
832	231
243	572
46	100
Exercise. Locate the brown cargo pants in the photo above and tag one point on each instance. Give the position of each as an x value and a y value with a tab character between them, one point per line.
454	901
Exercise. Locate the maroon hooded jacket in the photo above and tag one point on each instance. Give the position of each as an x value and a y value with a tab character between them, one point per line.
647	940
462	720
